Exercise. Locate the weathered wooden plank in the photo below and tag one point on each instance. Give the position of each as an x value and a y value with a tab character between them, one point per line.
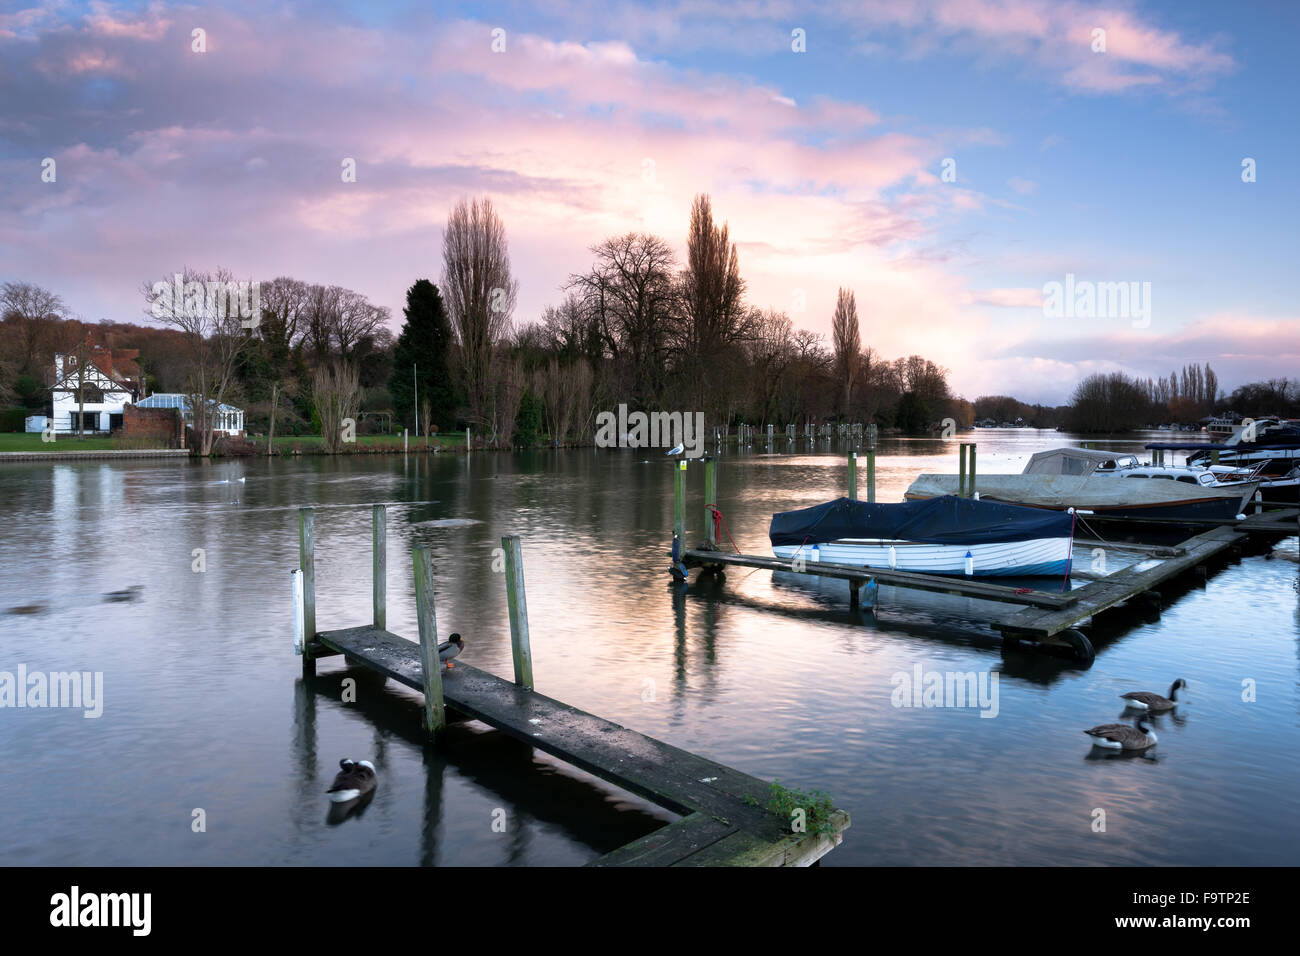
908	579
716	800
1117	588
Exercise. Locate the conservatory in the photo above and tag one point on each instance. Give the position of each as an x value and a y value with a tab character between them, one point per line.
227	419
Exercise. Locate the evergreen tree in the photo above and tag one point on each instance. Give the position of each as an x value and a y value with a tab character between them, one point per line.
423	346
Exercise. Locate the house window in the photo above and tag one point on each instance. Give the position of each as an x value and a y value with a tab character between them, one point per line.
91	394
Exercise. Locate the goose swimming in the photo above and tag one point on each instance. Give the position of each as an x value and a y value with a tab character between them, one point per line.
1154	703
355	779
449	649
1122	736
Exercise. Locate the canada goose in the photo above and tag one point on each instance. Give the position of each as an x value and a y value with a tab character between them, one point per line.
1145	700
1122	736
449	649
355	779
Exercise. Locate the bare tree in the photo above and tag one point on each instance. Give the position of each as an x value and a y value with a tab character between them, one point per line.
771	353
214	339
479	292
846	339
33	311
629	297
336	390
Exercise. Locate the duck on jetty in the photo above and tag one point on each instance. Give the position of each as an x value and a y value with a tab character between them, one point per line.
449	649
355	779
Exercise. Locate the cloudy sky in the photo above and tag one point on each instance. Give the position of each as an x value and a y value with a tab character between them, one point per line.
946	159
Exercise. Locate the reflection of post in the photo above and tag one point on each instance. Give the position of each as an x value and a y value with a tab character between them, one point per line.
307	561
679	620
435	715
379	574
434	768
517	602
304	746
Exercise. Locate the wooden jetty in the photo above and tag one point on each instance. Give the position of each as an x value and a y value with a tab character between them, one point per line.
1046	619
723	817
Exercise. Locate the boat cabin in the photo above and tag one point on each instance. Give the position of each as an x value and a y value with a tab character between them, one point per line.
1078	461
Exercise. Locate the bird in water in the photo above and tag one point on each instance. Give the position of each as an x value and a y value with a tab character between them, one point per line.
1154	703
1122	736
356	778
449	649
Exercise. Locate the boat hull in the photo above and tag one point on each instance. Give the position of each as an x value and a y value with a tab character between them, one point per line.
1109	495
1032	558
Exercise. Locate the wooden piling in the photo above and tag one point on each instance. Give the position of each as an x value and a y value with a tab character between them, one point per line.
961	470
307	562
517	602
710	500
871	475
379	569
971	473
435	712
679	502
853	475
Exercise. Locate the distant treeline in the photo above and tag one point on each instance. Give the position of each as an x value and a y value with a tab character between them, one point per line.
1116	402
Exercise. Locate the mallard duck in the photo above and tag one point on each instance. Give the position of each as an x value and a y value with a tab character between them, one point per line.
1122	736
355	779
1145	700
449	649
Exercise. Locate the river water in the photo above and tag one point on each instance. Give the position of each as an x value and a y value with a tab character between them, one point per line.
211	749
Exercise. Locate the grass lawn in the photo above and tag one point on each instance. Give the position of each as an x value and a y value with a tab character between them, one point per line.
284	443
31	441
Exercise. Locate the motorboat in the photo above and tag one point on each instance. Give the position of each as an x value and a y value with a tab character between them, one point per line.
1097	481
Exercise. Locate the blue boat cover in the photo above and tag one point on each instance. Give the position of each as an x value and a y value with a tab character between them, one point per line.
942	520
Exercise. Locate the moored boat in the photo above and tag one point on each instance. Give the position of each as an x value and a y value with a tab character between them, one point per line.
1092	480
943	535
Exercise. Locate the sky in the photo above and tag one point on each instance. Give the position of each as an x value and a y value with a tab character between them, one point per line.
948	160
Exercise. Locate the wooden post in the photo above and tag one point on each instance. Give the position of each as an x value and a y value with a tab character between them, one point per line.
435	712
871	475
971	473
679	502
710	500
379	571
403	441
307	561
961	470
518	605
1214	456
853	475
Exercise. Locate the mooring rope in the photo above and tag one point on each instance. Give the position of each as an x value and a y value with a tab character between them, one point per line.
720	523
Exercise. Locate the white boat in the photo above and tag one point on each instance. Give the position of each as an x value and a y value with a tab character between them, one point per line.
1092	480
946	535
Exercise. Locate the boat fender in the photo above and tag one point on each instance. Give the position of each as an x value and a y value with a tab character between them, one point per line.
677	550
